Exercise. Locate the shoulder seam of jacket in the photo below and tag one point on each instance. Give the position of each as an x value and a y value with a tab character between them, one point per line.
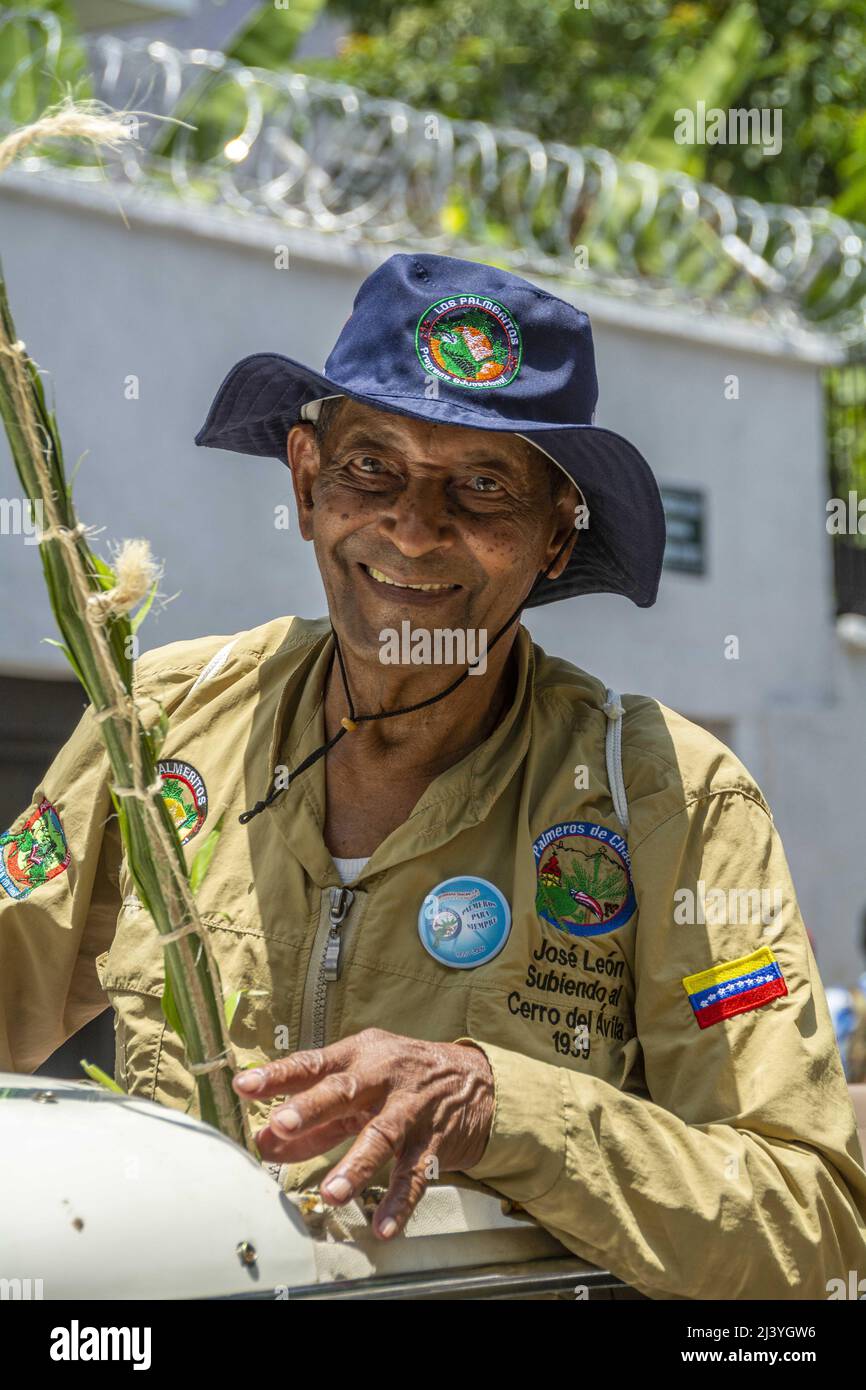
194	664
190	667
649	752
194	667
704	796
629	716
551	695
660	758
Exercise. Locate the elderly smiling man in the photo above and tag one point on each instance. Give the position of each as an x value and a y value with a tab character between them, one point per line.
489	919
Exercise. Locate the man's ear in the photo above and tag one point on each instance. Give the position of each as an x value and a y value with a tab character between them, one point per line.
566	523
302	453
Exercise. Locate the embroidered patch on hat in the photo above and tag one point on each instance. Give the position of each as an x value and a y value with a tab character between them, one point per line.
185	795
470	341
464	922
32	852
735	987
584	878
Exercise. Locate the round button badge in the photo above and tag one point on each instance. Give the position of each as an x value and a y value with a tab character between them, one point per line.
464	922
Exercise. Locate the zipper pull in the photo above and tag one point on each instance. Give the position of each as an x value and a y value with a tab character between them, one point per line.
341	901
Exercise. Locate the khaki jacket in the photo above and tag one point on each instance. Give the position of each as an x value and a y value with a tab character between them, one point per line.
670	1100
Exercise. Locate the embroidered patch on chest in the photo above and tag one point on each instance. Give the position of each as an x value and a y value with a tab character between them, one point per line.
32	852
735	987
584	878
470	341
185	795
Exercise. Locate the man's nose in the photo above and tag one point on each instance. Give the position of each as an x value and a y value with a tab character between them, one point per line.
417	522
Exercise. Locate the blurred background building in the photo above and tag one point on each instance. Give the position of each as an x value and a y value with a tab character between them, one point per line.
729	332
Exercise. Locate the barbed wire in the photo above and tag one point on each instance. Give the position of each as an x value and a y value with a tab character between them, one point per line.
326	156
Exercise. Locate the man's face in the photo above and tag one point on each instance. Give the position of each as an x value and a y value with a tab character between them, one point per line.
391	498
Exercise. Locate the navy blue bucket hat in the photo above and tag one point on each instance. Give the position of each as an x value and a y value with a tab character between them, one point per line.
461	343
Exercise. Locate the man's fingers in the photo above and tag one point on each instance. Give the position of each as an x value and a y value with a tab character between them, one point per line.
310	1143
408	1184
379	1140
287	1075
332	1098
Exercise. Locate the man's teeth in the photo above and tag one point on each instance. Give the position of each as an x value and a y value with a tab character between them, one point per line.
383	579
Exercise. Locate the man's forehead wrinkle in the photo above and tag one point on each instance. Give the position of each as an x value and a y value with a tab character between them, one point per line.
366	435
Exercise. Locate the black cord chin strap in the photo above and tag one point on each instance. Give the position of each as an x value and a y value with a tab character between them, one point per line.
351	721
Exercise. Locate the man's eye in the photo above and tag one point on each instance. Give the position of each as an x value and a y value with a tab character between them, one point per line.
368	466
487	484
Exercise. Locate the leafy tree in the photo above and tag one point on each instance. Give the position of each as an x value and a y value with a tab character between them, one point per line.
217	107
270	36
614	73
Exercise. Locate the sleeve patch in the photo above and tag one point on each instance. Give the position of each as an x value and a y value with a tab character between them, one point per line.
33	851
735	987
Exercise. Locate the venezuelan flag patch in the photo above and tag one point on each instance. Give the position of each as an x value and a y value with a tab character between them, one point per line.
735	987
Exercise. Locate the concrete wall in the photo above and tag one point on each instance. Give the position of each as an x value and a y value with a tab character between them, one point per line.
177	297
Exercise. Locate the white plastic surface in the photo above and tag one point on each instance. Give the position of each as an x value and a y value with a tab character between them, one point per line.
108	1196
114	1197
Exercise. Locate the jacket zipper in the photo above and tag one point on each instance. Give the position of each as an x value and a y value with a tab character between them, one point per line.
323	969
340	900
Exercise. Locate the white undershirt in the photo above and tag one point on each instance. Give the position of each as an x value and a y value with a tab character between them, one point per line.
350	868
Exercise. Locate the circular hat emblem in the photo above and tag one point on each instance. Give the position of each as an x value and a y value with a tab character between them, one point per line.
469	341
464	922
584	879
185	795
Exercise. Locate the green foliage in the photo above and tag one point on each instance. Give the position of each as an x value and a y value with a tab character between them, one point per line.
142	611
169	1008
97	1074
159	731
271	36
231	1005
612	75
28	87
846	435
216	106
714	75
203	857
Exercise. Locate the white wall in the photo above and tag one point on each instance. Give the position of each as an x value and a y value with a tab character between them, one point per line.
178	297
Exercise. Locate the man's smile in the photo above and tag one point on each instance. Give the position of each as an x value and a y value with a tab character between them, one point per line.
411	592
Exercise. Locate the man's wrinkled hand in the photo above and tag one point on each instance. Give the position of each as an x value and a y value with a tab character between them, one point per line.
429	1106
